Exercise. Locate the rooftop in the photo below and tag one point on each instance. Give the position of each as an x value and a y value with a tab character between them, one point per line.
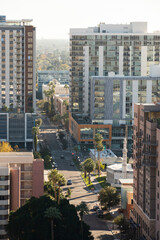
104	154
21	22
118	167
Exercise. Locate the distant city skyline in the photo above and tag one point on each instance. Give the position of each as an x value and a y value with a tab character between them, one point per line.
53	19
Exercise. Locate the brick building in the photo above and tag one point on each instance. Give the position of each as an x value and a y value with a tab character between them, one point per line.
146	161
21	177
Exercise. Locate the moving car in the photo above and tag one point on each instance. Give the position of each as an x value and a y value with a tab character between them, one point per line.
69	182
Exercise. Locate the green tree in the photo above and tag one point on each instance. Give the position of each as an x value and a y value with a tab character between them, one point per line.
88	166
68	193
52	213
35	132
82	208
29	222
108	197
4	108
38	122
122	223
36	155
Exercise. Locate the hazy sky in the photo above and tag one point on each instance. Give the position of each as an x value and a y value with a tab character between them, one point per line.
54	18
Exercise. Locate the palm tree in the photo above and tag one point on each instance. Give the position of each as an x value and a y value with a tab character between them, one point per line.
38	122
52	213
53	178
51	93
57	119
88	166
82	208
61	181
66	87
35	132
99	146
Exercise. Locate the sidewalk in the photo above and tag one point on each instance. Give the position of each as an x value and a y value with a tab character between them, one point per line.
95	183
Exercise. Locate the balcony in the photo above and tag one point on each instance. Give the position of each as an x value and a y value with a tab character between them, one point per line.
149	163
151	154
152	143
138	135
138	155
138	165
138	145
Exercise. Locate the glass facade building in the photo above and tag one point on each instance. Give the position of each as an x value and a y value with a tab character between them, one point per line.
125	50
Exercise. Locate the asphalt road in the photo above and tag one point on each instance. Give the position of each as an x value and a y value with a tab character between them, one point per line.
78	188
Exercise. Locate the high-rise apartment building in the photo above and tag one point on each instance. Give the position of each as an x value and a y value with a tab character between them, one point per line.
146	161
17	74
21	177
17	67
95	52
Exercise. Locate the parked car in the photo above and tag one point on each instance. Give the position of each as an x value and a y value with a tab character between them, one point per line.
100	213
62	156
69	182
54	165
95	208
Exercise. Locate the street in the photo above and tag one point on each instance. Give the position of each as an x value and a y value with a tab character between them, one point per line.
79	191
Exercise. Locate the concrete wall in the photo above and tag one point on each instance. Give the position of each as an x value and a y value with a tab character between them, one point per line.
38	178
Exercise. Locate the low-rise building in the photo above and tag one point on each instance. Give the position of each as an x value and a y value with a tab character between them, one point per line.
114	173
126	196
107	156
60	89
21	177
61	103
16	128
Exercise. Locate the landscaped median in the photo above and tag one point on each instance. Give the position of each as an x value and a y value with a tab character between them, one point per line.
90	186
102	181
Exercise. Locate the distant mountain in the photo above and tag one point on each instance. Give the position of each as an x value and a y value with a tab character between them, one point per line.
50	45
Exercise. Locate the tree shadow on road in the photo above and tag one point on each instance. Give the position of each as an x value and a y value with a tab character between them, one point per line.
103	237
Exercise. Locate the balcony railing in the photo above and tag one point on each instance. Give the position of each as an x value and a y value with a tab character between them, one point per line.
152	143
151	154
149	163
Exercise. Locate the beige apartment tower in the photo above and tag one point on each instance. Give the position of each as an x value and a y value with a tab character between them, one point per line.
21	177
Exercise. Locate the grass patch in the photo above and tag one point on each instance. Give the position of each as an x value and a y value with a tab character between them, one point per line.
102	181
86	180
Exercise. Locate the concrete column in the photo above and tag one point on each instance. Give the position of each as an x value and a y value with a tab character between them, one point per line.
135	95
15	188
101	60
38	178
143	60
86	78
7	63
121	60
149	91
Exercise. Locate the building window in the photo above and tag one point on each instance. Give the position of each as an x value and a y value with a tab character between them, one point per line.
157	217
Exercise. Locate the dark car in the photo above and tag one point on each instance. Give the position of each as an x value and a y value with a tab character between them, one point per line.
69	182
95	208
62	156
100	213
